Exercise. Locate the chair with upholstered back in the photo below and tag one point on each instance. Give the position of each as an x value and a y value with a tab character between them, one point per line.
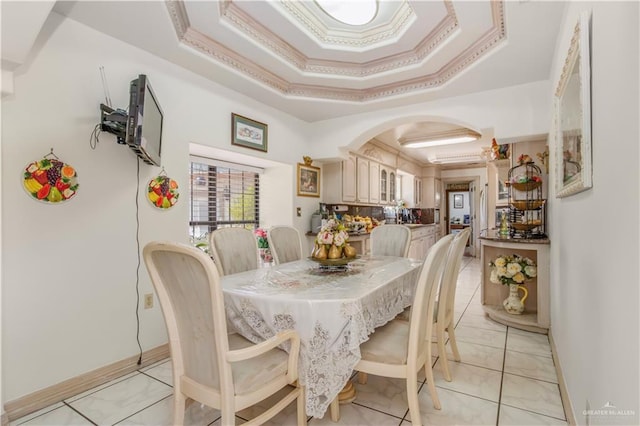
234	250
446	300
285	244
390	240
400	349
226	372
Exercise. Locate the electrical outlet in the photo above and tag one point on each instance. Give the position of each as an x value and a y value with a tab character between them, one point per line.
148	301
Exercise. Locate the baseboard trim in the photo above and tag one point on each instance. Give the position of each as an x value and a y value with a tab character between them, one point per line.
564	394
45	397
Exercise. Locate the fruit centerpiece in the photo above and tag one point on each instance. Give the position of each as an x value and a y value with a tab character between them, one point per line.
332	243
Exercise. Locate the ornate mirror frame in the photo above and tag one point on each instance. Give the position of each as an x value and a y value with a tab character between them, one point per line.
573	115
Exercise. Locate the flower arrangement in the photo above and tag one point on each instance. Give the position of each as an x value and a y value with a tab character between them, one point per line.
333	233
512	270
261	235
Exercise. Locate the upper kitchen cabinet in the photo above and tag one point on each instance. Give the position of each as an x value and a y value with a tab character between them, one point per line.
339	181
392	187
384	186
387	185
367	181
432	189
417	192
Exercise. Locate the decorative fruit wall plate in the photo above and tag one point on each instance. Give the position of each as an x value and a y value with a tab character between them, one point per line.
162	192
50	180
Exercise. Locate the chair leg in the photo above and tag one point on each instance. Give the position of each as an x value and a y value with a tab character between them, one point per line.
302	411
179	401
412	398
444	361
335	410
362	378
452	341
428	372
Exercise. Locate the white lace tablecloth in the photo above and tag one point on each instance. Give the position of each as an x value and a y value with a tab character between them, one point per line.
332	312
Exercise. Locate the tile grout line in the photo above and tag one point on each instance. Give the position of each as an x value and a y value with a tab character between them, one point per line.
504	361
79	413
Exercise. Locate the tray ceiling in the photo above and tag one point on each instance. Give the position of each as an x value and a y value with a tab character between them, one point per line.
293	56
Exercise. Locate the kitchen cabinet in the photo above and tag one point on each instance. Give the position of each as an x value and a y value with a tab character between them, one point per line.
387	185
339	181
367	181
422	238
374	182
349	179
417	192
384	185
432	192
392	187
362	180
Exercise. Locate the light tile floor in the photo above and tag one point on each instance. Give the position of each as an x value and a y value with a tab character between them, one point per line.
506	377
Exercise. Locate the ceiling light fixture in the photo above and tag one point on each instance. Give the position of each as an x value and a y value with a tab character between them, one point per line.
350	12
443	138
459	157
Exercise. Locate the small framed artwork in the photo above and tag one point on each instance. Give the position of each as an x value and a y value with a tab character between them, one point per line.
248	133
457	201
308	181
573	115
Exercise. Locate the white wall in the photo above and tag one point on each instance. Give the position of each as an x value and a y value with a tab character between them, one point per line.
69	270
594	234
460	212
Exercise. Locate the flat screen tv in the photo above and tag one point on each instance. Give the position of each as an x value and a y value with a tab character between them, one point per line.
144	127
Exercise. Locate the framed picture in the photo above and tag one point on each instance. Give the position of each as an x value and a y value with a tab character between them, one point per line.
308	181
458	202
248	133
573	115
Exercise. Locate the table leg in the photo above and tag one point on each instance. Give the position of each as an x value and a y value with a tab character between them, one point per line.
347	394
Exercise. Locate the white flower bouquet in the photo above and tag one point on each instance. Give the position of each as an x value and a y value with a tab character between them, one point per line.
333	233
512	270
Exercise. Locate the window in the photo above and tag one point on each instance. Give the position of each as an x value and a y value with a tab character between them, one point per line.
222	195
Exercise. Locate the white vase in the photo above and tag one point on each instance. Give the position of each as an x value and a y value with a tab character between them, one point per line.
514	304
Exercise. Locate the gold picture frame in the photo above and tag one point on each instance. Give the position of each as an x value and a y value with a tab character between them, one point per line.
308	178
248	133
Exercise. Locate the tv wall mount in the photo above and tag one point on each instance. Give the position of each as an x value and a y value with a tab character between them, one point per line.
114	121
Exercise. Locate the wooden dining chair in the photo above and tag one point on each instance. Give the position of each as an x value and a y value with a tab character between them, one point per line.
390	240
446	299
400	349
226	372
285	244
234	250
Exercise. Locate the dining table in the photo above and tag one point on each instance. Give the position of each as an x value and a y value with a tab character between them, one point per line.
333	310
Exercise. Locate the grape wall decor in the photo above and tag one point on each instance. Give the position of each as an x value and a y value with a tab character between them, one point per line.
50	180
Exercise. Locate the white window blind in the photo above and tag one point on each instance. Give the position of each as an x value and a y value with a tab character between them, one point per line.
222	195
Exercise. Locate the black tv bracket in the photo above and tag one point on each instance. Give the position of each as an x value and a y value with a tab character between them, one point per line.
114	121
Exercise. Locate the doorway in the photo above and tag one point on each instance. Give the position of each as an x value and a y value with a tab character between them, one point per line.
460	210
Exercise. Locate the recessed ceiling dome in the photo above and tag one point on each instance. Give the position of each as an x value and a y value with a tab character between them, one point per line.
350	12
